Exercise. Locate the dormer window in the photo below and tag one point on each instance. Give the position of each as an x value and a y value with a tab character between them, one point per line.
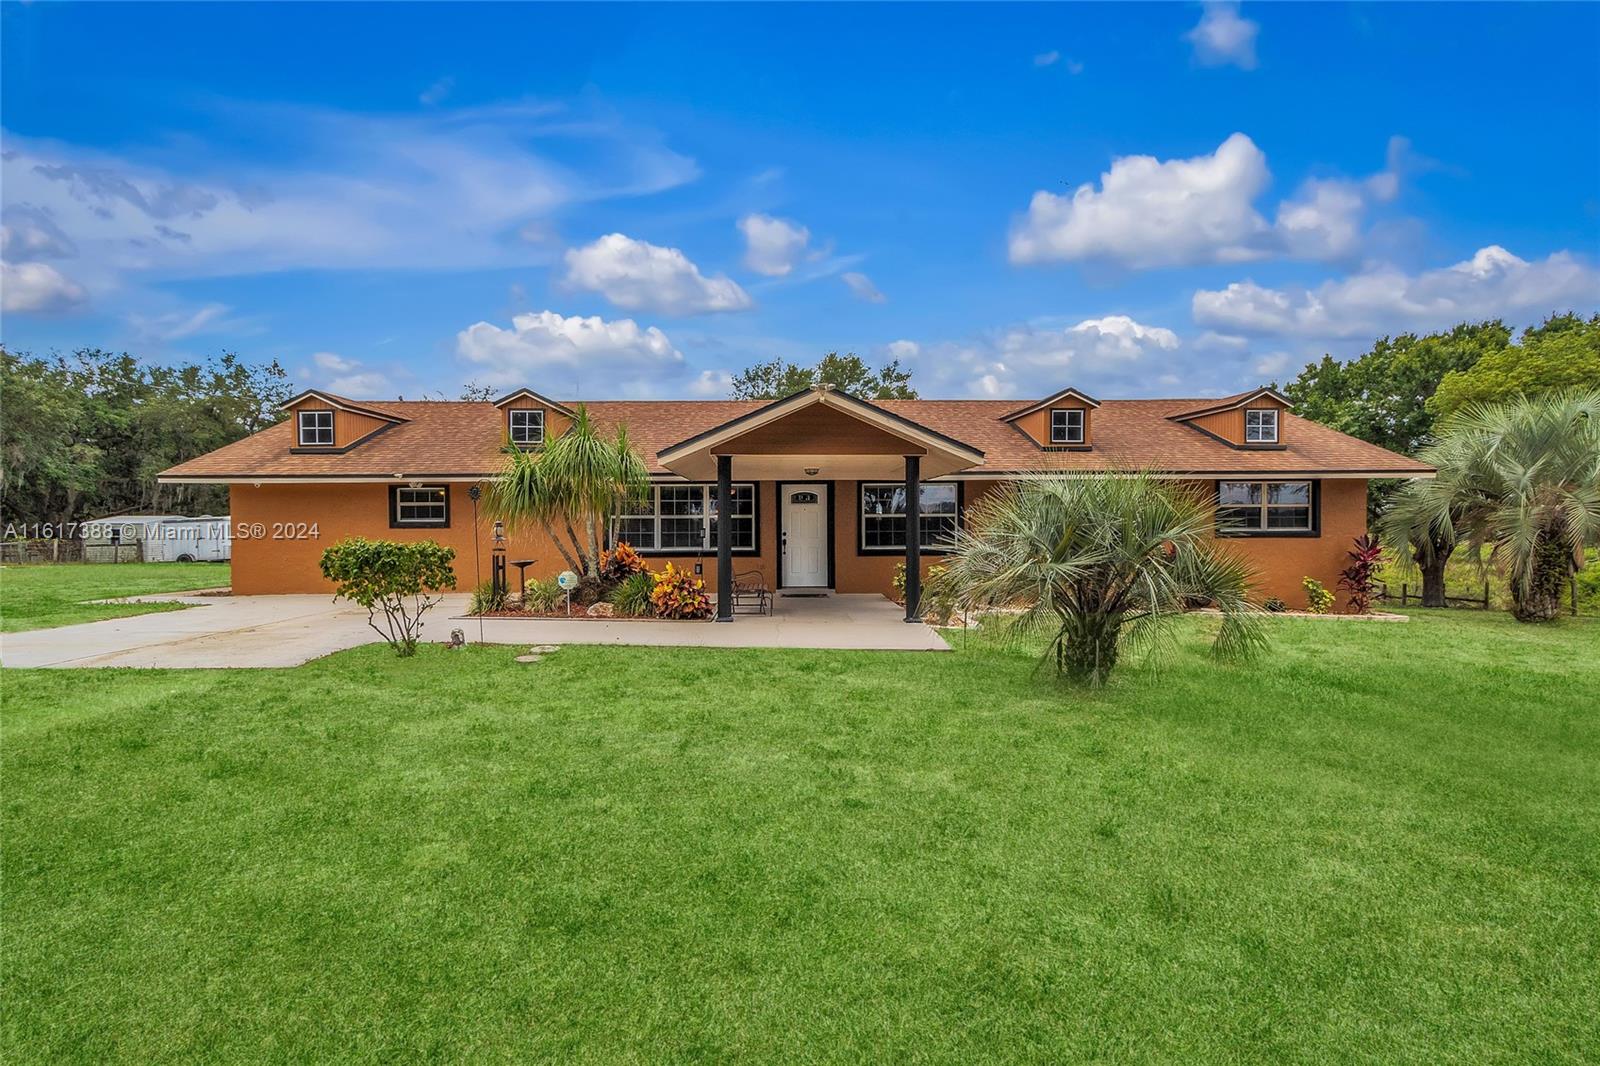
316	429
1066	425
527	427
1261	426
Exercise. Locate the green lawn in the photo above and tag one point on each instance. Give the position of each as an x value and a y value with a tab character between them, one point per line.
1378	845
43	596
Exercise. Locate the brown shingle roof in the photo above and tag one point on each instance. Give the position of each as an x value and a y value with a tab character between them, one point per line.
450	438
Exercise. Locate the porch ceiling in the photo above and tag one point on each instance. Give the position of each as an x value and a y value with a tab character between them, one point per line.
821	429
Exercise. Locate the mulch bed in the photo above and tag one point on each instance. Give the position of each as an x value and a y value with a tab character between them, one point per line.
579	614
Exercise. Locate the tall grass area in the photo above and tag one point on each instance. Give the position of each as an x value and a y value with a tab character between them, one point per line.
1378	845
42	596
1467	572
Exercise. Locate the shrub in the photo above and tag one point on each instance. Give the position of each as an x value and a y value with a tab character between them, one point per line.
1359	579
1318	598
678	594
620	563
1274	605
544	595
632	598
395	578
486	599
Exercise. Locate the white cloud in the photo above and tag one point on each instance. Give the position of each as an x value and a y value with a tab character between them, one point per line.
436	93
1272	364
1033	359
1149	212
1493	283
350	377
333	363
37	288
772	245
444	190
176	325
863	287
1046	59
31	233
711	385
1153	213
639	276
552	351
1223	38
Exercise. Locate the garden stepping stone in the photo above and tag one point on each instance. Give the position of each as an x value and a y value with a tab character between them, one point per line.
529	658
543	649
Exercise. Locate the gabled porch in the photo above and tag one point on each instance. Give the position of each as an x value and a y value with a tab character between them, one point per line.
805	446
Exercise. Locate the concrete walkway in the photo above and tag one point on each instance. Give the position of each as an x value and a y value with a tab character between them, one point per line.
864	623
276	631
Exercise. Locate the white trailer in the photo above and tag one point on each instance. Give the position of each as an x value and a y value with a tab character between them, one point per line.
206	539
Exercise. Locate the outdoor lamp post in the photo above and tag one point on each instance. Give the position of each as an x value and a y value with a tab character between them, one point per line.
497	559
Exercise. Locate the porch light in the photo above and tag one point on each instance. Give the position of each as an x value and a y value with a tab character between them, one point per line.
813	471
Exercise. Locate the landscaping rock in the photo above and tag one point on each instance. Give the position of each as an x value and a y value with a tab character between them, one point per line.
602	610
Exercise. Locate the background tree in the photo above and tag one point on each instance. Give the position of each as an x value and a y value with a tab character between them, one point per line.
1563	351
847	373
1382	396
1522	477
472	391
1100	561
84	435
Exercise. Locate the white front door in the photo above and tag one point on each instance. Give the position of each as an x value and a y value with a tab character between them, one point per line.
804	537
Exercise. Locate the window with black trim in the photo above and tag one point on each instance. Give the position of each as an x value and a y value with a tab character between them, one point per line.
316	429
883	515
683	519
1266	507
1066	425
527	426
425	506
1261	426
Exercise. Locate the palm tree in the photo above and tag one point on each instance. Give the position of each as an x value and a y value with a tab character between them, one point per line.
1522	477
1100	560
578	478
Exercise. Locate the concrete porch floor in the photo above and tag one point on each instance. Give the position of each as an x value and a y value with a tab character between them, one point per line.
859	622
277	631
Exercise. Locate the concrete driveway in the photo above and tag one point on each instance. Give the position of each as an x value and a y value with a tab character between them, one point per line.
220	631
267	631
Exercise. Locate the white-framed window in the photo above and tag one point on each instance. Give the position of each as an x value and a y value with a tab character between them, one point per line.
1066	425
682	519
1261	425
425	505
883	515
316	429
527	426
1265	507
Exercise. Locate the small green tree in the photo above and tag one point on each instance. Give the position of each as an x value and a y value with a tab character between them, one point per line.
1101	561
394	578
848	373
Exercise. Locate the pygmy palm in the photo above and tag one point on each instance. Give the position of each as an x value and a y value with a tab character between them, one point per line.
1522	477
1101	561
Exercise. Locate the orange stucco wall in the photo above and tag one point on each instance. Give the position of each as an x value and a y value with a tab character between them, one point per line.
283	560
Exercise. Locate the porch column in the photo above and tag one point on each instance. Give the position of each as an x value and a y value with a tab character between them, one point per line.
724	538
913	538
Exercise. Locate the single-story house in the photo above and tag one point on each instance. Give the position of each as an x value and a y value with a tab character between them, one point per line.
823	486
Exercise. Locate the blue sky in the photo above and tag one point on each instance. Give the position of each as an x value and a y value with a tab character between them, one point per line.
1136	200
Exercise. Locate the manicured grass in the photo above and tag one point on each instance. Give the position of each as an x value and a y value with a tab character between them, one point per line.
1378	845
40	597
